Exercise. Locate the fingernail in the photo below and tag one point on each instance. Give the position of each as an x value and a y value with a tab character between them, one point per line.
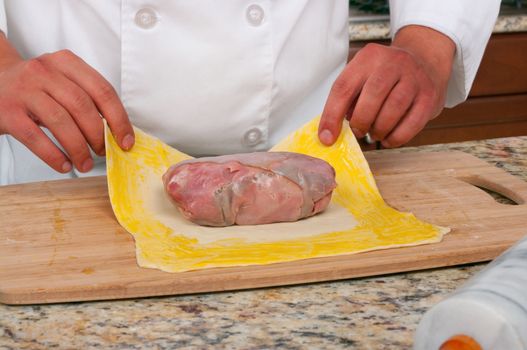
87	165
326	137
128	142
66	167
358	133
386	144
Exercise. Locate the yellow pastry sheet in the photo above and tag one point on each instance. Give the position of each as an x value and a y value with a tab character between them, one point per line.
357	219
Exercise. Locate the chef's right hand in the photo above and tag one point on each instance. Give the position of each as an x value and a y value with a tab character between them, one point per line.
64	94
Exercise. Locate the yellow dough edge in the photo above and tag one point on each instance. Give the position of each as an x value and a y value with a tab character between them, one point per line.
161	247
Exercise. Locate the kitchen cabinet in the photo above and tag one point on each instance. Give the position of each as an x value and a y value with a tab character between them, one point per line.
497	103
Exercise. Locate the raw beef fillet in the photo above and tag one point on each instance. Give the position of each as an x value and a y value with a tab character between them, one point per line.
250	188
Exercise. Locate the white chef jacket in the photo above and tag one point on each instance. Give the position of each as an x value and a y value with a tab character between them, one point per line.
213	77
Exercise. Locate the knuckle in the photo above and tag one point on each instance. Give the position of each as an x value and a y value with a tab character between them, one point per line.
9	107
106	93
98	147
369	50
81	102
403	57
359	122
96	139
76	148
376	84
56	118
13	115
373	47
428	91
35	66
29	136
64	55
79	154
399	99
414	126
341	88
436	98
431	100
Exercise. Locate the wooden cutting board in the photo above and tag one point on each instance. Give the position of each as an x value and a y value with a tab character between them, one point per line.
59	240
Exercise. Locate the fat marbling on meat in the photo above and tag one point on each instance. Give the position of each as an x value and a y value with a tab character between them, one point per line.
250	188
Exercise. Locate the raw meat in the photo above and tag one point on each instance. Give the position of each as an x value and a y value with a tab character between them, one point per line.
250	188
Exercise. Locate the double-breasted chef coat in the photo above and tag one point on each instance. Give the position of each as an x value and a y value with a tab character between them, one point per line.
212	77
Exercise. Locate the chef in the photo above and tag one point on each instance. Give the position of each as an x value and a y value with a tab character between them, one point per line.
212	77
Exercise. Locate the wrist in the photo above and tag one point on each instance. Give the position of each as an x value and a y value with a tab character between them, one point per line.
8	54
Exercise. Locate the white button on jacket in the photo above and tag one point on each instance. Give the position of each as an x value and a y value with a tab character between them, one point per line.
255	15
146	18
252	137
213	77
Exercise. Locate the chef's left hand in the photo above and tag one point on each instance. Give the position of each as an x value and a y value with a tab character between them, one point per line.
391	92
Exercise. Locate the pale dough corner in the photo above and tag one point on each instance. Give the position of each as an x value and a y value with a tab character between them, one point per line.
357	219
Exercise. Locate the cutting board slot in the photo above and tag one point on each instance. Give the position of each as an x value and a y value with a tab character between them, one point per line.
498	191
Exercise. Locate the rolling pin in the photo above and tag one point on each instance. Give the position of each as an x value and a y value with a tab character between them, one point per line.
489	312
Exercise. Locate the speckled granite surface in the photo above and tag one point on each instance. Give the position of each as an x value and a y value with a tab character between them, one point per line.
380	29
367	313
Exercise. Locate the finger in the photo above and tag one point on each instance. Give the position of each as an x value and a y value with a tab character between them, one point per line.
373	94
28	133
54	117
351	109
413	122
348	118
101	92
341	97
81	107
394	109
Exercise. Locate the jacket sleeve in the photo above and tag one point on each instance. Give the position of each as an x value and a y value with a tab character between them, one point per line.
468	23
3	21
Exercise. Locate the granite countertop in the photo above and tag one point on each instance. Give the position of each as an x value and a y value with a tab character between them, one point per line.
378	27
365	313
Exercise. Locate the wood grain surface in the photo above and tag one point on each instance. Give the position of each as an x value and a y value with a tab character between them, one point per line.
59	240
